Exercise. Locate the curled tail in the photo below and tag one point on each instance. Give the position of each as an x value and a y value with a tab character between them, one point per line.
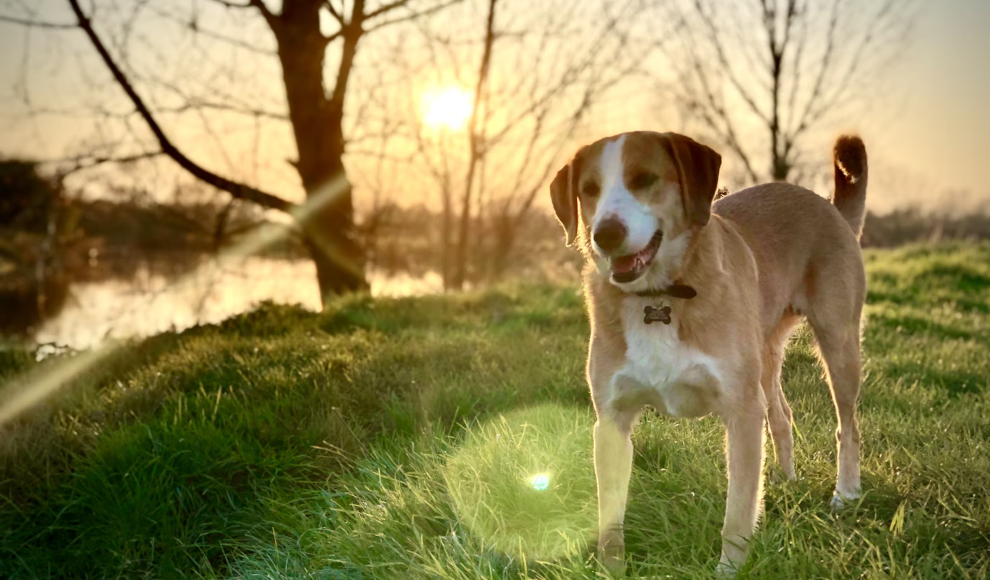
851	172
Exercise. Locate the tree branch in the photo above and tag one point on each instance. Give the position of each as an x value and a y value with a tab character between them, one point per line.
724	62
229	4
352	34
334	12
273	21
792	12
797	63
816	90
258	4
270	18
195	105
712	112
412	16
872	34
238	190
88	162
385	8
36	23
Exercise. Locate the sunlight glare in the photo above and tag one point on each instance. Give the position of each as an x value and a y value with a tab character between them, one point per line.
540	482
447	107
524	483
26	391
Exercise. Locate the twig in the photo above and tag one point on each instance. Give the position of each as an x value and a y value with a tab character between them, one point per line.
238	190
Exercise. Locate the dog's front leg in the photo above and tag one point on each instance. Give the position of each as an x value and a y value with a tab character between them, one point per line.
613	466
744	450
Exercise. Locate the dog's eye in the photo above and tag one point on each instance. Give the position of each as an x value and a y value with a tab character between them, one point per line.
590	189
642	180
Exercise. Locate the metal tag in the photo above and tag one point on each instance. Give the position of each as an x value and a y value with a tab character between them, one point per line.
656	314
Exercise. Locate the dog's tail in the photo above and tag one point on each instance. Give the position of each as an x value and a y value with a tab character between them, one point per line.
850	180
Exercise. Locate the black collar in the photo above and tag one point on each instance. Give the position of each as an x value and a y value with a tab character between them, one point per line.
675	290
662	313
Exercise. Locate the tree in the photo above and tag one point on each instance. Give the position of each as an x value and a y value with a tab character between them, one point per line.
315	114
760	76
33	224
537	72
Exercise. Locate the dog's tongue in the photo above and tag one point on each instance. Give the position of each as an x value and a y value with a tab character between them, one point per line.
623	264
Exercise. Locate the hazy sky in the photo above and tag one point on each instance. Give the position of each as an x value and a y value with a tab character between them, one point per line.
929	135
941	134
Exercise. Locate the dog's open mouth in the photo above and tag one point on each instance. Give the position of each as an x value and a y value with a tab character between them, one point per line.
629	268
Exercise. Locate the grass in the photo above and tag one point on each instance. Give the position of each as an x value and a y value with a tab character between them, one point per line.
401	438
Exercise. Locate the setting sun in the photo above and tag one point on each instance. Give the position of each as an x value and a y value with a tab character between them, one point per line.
446	107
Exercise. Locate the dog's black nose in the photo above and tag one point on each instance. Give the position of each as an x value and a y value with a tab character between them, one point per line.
610	234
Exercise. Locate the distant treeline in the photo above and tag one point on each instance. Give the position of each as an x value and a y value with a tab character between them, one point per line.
96	238
49	239
406	240
911	225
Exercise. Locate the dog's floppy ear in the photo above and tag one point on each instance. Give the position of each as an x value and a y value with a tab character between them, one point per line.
563	194
697	169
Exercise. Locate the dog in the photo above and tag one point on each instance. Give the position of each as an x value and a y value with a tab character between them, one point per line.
692	303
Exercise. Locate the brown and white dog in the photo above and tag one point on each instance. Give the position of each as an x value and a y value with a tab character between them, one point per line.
722	286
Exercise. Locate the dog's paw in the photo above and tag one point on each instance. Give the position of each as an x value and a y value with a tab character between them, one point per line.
725	569
613	559
612	556
734	550
841	501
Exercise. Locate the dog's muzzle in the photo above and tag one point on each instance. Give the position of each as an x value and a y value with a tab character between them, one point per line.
630	267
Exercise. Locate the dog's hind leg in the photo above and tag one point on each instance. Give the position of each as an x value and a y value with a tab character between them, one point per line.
779	414
839	349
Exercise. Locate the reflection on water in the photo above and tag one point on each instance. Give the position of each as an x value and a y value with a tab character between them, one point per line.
151	303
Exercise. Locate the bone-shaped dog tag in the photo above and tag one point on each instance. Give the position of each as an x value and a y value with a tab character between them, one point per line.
656	314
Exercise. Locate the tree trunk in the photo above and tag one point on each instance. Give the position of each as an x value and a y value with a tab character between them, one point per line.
505	230
317	122
445	238
780	166
474	143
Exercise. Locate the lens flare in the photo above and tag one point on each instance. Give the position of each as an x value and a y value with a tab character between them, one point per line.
540	482
500	481
33	387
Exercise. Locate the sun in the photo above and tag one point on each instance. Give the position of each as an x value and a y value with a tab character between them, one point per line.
446	107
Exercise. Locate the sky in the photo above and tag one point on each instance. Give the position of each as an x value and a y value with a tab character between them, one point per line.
941	134
927	133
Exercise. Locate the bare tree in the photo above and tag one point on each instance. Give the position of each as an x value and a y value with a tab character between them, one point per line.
315	113
474	149
537	74
760	76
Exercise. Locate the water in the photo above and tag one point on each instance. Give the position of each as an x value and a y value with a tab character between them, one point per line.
151	303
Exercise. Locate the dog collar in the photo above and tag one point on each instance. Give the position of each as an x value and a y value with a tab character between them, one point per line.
675	290
661	312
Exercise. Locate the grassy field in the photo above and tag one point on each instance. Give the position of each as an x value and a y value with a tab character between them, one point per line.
449	437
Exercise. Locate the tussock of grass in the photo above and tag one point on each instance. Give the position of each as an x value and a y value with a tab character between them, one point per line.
338	446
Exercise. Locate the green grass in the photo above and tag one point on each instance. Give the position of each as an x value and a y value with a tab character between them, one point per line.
399	439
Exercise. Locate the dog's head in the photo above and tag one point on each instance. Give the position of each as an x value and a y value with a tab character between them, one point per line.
633	201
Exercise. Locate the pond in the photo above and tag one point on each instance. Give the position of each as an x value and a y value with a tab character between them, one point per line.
149	303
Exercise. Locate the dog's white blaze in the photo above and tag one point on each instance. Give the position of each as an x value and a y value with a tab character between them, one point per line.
657	361
617	201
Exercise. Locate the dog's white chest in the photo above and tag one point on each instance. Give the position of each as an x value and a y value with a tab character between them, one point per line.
663	371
